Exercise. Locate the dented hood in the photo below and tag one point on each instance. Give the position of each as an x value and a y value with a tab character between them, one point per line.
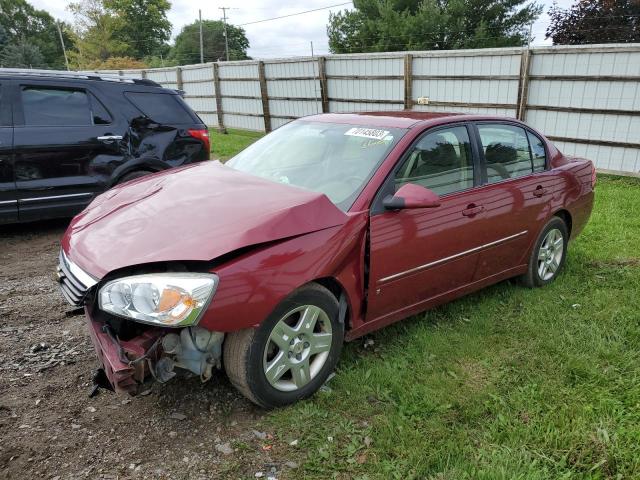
199	212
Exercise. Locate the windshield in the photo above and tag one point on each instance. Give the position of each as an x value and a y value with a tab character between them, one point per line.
334	159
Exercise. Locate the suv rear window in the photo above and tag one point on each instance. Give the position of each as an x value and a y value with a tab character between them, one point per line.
161	107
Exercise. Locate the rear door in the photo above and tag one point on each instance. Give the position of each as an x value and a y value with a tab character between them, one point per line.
516	194
64	139
8	202
417	255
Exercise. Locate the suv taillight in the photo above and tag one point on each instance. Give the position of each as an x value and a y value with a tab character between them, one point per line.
203	136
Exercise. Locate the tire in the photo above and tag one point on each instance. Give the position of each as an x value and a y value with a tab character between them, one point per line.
547	259
274	374
133	175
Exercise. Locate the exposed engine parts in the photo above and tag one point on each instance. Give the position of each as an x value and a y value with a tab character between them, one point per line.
195	349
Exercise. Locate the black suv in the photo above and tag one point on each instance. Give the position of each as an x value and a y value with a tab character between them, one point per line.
66	137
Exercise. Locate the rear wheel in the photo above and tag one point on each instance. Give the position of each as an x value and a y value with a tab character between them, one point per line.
548	254
291	354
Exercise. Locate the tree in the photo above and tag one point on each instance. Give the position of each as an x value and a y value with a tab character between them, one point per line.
145	27
187	46
21	22
22	55
396	25
117	63
96	34
4	38
599	21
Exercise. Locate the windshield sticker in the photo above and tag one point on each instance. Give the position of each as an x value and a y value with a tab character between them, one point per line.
367	133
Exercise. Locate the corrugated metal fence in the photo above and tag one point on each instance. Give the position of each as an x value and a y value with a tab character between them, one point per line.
585	98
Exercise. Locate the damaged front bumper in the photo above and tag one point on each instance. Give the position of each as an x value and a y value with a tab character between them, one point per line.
154	353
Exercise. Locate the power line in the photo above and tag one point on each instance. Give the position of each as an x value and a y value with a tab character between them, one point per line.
294	14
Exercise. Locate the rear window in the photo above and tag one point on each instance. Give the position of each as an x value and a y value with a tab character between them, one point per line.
161	107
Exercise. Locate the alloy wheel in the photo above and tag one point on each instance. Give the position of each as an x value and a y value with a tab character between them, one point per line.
550	254
298	348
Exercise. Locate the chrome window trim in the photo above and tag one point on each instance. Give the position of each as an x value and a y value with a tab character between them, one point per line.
82	276
70	195
8	202
452	257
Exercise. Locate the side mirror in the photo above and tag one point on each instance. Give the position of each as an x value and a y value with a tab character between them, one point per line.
412	195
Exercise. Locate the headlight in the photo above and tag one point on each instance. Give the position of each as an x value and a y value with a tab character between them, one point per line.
170	299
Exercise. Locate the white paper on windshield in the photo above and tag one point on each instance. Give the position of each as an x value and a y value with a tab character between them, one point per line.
367	133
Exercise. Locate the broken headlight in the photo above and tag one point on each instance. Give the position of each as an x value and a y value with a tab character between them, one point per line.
168	299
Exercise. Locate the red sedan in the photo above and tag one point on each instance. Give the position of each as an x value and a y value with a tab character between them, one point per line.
326	229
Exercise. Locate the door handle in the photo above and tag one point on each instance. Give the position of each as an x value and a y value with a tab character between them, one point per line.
539	191
109	138
472	210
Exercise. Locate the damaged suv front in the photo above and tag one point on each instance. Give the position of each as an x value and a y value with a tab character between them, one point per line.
146	324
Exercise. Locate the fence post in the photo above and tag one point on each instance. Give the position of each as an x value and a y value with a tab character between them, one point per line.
179	77
324	89
523	85
143	73
264	94
408	81
216	85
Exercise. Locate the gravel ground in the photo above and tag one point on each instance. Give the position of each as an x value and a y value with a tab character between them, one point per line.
49	426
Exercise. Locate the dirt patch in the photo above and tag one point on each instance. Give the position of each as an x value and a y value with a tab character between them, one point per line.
618	262
49	426
476	375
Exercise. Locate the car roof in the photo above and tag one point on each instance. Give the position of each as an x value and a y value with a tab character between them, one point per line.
400	118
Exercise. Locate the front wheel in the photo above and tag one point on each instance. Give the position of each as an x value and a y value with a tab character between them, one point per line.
548	254
291	354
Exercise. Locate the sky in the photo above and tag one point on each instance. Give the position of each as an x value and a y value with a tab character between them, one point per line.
285	37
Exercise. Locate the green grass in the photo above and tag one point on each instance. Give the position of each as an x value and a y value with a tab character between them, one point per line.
225	146
508	383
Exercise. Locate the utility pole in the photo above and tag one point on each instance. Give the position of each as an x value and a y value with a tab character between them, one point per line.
64	50
201	48
226	39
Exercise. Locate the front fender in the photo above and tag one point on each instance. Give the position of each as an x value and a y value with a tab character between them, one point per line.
252	285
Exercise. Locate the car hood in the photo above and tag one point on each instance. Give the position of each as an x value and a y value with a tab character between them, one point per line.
198	212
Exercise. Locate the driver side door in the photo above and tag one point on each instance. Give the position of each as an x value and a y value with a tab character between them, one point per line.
8	201
421	255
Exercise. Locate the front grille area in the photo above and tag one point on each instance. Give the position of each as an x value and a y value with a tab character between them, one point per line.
73	288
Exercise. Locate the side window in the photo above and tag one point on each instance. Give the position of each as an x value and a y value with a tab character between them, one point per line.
161	107
6	119
99	114
506	151
441	161
538	152
2	109
44	106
